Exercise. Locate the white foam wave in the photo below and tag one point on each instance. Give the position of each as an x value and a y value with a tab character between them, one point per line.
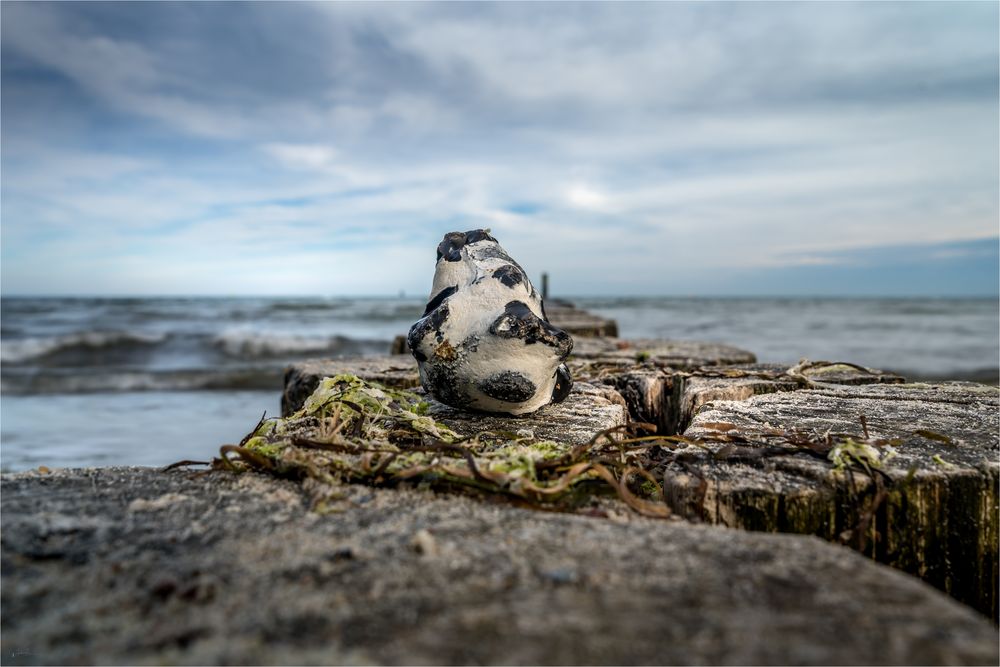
248	344
21	350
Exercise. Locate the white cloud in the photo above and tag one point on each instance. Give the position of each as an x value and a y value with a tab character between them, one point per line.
586	197
665	137
302	156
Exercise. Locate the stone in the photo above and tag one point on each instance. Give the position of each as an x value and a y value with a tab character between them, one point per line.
242	572
484	342
930	508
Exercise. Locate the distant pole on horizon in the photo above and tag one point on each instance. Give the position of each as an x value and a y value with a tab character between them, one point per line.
545	286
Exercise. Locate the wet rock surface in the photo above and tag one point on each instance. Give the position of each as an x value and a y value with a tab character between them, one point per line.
130	565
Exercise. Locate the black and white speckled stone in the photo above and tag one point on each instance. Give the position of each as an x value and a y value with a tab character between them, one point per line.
484	341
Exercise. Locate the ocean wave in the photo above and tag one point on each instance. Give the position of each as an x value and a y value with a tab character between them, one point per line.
21	350
296	306
346	311
244	344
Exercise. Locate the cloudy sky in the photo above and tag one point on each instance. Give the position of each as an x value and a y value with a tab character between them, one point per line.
711	148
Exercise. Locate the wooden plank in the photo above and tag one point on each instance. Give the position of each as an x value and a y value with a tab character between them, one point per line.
937	517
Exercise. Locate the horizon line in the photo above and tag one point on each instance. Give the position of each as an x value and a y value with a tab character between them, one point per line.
406	295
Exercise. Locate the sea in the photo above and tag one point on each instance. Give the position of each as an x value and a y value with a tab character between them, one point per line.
150	381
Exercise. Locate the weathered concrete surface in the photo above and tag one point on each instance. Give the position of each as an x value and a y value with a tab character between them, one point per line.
940	522
120	566
302	378
588	410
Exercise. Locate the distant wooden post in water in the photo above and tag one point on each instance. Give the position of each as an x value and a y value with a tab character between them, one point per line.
545	286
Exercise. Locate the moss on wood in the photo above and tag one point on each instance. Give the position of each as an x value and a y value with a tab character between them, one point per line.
910	476
353	430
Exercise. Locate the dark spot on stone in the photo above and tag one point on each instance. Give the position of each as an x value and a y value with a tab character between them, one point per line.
518	321
477	235
509	275
425	326
470	344
437	320
563	384
439	299
415	335
450	247
509	386
444	385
